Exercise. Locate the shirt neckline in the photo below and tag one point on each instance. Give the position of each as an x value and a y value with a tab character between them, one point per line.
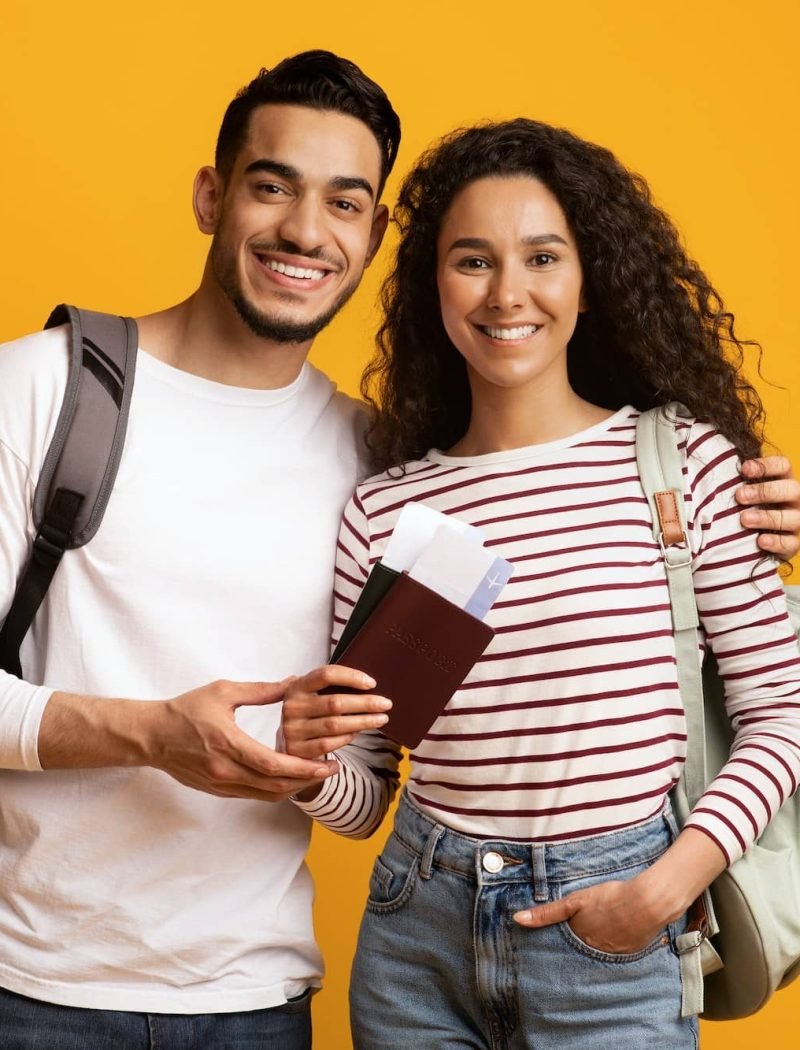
221	393
435	455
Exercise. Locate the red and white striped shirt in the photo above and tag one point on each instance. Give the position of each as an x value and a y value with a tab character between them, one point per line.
571	723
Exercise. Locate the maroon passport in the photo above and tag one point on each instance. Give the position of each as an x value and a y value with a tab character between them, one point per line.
419	648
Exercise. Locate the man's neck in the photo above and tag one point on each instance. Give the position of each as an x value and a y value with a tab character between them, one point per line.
205	336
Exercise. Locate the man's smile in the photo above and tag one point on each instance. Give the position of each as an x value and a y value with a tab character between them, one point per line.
297	272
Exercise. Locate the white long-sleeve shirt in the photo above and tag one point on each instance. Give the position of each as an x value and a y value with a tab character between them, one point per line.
120	888
571	723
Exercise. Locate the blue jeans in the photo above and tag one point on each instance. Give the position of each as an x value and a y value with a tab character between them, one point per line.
28	1024
441	964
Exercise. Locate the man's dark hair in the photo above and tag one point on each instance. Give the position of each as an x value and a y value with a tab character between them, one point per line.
320	80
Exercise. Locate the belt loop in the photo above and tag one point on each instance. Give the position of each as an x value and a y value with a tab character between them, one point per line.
540	889
430	848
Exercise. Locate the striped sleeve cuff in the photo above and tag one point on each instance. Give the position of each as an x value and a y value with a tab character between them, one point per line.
352	803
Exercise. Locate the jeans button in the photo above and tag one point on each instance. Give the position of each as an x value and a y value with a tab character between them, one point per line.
493	863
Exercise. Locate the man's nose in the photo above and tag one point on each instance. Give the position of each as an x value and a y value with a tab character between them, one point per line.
303	225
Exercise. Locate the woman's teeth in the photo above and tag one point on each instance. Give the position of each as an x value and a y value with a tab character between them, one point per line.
523	332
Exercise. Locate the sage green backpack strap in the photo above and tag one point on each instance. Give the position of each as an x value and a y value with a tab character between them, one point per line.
661	473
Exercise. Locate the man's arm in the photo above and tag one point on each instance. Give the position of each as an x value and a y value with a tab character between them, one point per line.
774	496
193	738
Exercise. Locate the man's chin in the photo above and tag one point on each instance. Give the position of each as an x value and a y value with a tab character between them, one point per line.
286	330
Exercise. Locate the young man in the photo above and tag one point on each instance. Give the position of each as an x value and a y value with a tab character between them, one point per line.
128	898
137	912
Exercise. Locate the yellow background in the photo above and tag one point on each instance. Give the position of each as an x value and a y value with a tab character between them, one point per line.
105	115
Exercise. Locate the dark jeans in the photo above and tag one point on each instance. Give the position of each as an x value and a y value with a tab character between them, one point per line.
28	1024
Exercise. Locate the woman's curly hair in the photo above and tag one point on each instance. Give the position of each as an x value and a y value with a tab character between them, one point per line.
655	329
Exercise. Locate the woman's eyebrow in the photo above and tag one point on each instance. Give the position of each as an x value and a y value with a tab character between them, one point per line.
482	243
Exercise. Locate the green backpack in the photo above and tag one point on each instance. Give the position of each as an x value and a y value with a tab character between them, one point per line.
748	943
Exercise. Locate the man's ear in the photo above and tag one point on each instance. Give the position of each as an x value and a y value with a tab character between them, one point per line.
380	220
208	192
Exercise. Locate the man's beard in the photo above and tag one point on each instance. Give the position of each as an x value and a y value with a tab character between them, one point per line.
271	326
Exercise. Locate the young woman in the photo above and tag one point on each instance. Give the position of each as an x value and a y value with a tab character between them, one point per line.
534	885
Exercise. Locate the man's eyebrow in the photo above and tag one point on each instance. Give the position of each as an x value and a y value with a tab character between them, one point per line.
286	171
352	182
482	243
273	167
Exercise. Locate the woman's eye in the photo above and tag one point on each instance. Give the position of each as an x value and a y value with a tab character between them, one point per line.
473	263
543	258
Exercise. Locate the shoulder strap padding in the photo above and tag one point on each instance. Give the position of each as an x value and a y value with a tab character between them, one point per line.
660	466
87	444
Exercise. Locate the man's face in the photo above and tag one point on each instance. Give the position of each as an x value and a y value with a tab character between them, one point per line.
297	220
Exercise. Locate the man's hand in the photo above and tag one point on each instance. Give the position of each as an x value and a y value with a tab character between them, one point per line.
316	723
193	737
200	745
775	496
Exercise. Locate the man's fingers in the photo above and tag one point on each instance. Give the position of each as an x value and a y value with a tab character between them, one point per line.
767	467
783	545
242	694
548	914
261	761
779	490
772	520
268	792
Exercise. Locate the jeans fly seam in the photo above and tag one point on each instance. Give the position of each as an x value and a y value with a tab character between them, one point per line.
152	1032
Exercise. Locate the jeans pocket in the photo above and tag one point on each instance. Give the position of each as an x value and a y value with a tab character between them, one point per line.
393	878
663	939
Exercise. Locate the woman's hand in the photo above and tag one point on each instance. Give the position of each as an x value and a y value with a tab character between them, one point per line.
624	917
774	495
614	917
314	722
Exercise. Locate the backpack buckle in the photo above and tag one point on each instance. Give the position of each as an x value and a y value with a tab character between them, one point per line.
50	542
675	557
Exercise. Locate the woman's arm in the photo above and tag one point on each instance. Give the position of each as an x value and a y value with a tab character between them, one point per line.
354	802
744	622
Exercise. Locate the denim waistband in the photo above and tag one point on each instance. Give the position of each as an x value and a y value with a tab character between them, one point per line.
562	861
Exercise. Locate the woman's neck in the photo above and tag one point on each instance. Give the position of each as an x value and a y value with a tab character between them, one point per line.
504	419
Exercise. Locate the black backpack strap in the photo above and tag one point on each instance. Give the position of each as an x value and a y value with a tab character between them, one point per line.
82	461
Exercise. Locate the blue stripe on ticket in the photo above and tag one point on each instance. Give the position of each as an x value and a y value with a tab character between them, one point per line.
488	590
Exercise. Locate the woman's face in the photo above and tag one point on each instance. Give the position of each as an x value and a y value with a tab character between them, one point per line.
510	282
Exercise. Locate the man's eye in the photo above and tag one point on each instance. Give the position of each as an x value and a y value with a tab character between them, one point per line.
345	206
268	187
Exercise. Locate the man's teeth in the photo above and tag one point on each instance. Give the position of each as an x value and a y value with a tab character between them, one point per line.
523	332
294	271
